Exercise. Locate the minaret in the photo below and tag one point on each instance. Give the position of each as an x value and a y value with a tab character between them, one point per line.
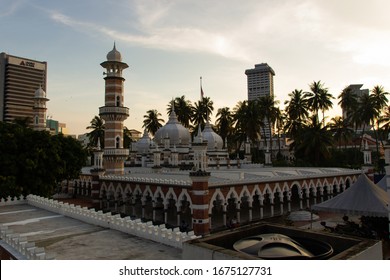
114	113
39	121
200	187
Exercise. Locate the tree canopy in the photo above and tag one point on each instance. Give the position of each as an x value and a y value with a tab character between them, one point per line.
34	162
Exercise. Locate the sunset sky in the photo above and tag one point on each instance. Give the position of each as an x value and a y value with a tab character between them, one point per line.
170	44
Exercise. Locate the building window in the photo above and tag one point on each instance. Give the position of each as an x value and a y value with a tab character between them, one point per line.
36	120
118	101
117	142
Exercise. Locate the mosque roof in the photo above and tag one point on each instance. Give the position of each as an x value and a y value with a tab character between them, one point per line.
144	143
177	133
250	173
214	141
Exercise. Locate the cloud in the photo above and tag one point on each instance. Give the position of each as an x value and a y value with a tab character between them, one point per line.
253	30
9	7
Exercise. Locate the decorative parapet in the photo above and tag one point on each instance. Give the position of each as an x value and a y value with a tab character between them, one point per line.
13	200
20	248
170	237
160	181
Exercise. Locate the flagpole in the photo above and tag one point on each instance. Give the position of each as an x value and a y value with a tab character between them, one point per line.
201	97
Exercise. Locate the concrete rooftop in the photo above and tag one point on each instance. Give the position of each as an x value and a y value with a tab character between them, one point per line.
70	239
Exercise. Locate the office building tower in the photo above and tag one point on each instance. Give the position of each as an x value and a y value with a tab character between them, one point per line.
20	78
260	83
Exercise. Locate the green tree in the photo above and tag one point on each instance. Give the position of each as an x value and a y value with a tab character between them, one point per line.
97	126
297	112
35	161
319	98
224	123
247	120
267	106
314	143
126	137
152	121
201	113
341	130
183	110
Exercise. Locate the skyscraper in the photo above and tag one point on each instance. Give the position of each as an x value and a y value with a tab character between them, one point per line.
19	80
260	81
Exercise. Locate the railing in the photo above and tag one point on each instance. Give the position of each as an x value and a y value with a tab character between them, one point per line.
18	246
114	109
161	234
13	200
116	152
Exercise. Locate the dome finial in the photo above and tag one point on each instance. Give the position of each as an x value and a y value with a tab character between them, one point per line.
114	55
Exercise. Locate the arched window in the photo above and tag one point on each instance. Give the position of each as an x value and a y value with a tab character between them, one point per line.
36	119
117	142
118	101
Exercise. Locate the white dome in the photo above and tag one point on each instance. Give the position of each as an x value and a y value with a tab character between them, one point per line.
177	133
40	93
143	144
214	141
114	55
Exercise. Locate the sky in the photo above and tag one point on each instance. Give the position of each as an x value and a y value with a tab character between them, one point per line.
170	44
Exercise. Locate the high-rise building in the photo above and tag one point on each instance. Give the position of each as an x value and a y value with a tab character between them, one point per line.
19	80
260	81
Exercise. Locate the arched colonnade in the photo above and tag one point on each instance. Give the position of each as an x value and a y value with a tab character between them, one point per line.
171	205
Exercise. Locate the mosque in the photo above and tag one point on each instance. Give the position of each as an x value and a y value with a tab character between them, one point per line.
176	180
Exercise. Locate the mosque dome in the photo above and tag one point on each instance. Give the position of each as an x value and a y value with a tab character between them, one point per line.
143	144
214	141
40	93
114	55
177	133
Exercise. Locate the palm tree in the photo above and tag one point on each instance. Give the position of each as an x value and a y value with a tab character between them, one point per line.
202	110
152	121
348	103
280	123
341	130
126	137
97	126
248	121
224	123
379	96
319	98
296	112
366	112
267	105
325	103
314	142
183	110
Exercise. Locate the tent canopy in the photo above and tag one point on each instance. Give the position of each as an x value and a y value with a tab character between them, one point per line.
383	183
362	198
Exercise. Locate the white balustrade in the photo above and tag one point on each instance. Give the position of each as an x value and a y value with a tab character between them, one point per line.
161	234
